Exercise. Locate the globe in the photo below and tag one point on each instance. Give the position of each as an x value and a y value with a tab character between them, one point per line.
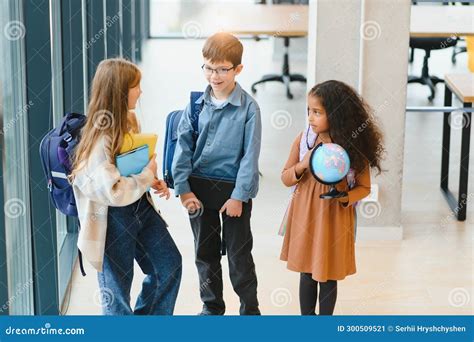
329	164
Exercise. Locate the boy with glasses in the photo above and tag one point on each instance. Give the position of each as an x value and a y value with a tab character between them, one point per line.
216	176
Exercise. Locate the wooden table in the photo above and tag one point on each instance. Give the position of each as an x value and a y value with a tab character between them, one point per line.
292	20
441	21
462	86
255	19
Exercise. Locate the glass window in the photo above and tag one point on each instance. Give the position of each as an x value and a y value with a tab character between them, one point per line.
15	160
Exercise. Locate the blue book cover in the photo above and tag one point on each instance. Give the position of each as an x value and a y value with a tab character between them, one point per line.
132	162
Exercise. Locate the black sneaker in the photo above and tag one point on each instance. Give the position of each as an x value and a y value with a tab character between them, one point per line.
207	312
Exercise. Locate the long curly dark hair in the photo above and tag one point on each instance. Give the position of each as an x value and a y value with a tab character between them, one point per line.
351	124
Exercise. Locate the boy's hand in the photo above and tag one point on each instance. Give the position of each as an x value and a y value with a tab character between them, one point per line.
232	207
161	188
190	202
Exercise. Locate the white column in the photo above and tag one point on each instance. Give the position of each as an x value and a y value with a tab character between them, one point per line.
383	73
333	41
365	44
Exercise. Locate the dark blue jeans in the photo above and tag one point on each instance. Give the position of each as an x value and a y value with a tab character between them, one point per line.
138	232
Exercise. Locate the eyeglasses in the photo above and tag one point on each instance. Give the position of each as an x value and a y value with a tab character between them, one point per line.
219	71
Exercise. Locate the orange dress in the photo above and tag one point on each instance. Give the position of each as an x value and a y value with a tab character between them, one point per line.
319	237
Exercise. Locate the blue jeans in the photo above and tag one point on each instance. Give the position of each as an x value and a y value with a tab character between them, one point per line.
137	232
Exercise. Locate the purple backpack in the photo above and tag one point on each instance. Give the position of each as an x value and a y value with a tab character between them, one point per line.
56	151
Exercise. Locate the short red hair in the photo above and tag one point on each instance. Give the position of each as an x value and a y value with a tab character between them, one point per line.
222	47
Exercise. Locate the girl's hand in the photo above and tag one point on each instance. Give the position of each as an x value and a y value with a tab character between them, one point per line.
152	165
306	158
161	188
304	164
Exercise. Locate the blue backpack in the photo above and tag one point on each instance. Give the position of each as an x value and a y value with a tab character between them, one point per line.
171	135
56	150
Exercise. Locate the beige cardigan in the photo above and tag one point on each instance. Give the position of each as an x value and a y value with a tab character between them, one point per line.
97	186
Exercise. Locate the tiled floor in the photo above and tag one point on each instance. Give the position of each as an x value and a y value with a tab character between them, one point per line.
428	272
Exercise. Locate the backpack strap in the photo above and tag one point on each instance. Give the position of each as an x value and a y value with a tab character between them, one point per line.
79	253
47	166
71	122
351	178
81	263
196	109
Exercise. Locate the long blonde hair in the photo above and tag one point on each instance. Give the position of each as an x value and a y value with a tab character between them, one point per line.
108	113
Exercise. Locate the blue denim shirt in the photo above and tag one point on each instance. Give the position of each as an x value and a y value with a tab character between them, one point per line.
227	148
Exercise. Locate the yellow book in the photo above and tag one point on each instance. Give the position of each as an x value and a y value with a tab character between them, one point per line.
132	141
470	53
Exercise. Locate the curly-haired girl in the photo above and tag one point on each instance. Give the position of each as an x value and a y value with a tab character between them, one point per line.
319	238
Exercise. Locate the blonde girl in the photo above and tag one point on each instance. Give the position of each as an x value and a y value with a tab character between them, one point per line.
119	222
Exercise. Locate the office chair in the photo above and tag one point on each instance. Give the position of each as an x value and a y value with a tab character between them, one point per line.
285	77
429	44
457	50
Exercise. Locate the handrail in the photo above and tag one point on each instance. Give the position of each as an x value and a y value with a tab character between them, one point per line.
440	109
